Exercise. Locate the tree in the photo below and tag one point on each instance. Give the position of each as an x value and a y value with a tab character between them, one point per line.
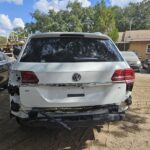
76	19
122	21
18	34
135	16
3	40
104	20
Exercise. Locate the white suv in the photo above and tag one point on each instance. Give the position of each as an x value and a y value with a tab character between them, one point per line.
69	78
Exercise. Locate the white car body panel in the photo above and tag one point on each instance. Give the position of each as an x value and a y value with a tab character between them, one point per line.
49	73
96	84
46	96
56	83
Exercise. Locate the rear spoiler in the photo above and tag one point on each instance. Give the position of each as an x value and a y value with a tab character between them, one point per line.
71	35
67	34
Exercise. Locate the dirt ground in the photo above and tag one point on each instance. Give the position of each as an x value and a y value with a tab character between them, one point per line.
131	134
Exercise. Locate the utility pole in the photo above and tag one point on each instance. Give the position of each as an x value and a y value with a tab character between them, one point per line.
131	21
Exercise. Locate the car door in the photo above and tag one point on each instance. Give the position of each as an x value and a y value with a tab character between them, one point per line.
4	67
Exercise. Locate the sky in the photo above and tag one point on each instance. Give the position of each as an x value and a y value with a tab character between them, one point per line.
15	13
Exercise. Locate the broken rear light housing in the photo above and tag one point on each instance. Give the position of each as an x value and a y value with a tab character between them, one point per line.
121	75
29	77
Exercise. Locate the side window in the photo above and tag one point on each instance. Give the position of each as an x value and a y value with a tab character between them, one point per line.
148	49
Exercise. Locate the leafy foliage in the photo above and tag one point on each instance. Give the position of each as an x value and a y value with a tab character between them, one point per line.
98	18
17	35
3	40
76	19
135	16
104	20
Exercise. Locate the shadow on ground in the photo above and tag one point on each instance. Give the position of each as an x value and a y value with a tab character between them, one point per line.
131	124
14	137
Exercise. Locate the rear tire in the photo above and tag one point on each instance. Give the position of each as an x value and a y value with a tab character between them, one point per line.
143	66
5	86
148	69
22	122
139	71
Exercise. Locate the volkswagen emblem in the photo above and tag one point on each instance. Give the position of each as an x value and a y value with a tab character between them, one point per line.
76	77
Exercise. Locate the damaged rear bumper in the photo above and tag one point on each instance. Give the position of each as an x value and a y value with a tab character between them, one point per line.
85	118
85	121
74	121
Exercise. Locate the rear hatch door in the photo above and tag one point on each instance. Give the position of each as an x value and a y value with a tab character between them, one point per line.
72	72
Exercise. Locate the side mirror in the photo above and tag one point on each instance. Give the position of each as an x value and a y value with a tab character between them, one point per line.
16	50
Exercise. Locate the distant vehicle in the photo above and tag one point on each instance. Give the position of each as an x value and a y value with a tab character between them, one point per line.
5	64
16	50
11	56
67	78
132	60
146	64
138	55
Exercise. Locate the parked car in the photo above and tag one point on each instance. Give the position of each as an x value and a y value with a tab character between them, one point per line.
5	64
139	56
132	60
70	79
11	56
16	50
146	64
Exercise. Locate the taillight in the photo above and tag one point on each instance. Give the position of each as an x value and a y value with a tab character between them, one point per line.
129	75
118	75
126	75
29	77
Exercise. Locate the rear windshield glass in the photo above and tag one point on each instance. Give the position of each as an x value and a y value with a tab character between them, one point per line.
70	49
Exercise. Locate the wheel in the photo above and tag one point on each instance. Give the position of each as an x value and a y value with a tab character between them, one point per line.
22	122
5	86
148	70
139	71
26	123
143	66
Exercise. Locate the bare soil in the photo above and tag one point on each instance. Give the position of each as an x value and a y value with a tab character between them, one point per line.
131	134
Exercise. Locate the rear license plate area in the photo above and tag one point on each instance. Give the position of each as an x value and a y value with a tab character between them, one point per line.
75	92
75	95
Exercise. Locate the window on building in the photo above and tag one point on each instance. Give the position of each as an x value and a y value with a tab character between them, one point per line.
148	48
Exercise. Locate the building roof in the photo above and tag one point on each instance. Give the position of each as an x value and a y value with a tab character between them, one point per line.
134	35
